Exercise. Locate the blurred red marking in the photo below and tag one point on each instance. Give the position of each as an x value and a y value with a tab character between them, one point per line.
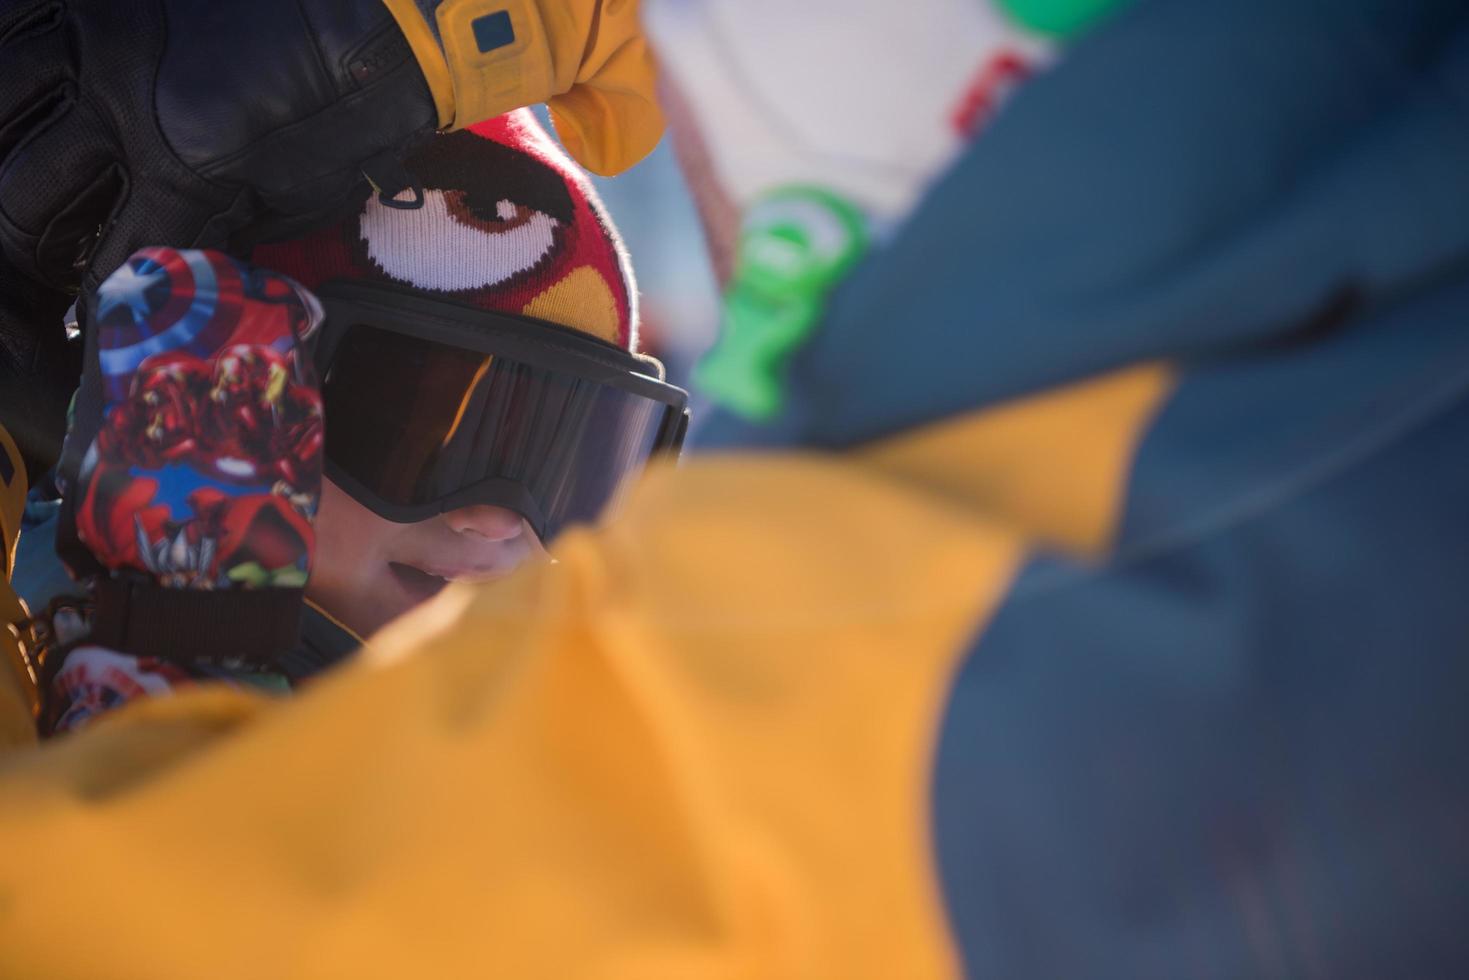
992	83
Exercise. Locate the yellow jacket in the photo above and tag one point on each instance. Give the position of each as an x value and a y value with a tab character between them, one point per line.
699	746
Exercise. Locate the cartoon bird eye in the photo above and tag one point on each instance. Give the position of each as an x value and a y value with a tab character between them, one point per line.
468	252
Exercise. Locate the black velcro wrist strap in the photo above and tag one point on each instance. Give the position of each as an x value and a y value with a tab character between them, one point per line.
254	626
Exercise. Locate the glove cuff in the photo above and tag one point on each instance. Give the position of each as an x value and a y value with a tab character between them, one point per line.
254	627
484	58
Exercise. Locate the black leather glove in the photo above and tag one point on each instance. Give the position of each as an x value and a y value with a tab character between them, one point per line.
135	122
38	370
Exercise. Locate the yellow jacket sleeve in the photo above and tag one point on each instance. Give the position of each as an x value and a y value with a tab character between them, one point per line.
696	747
17	687
586	58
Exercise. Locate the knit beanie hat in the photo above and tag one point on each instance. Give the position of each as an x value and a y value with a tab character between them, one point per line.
508	224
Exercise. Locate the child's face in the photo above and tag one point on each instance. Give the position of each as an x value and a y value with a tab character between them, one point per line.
368	570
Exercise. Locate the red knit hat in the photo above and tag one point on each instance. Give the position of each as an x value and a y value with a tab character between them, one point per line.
508	224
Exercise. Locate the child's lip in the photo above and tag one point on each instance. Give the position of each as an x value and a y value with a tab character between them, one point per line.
466	573
505	558
415	581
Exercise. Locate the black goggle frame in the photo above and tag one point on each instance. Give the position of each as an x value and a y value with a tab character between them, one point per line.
522	339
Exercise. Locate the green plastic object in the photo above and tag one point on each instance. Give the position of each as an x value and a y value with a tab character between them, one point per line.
797	243
253	575
1059	18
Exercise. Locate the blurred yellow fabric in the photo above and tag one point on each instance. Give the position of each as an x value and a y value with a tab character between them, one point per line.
699	746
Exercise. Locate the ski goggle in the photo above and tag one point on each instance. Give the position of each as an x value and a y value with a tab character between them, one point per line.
431	406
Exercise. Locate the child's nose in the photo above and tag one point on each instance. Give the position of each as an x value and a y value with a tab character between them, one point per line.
485	521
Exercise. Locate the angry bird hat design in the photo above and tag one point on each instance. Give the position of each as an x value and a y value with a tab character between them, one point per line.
508	223
480	335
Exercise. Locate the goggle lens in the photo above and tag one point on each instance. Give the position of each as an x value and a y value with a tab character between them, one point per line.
423	425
